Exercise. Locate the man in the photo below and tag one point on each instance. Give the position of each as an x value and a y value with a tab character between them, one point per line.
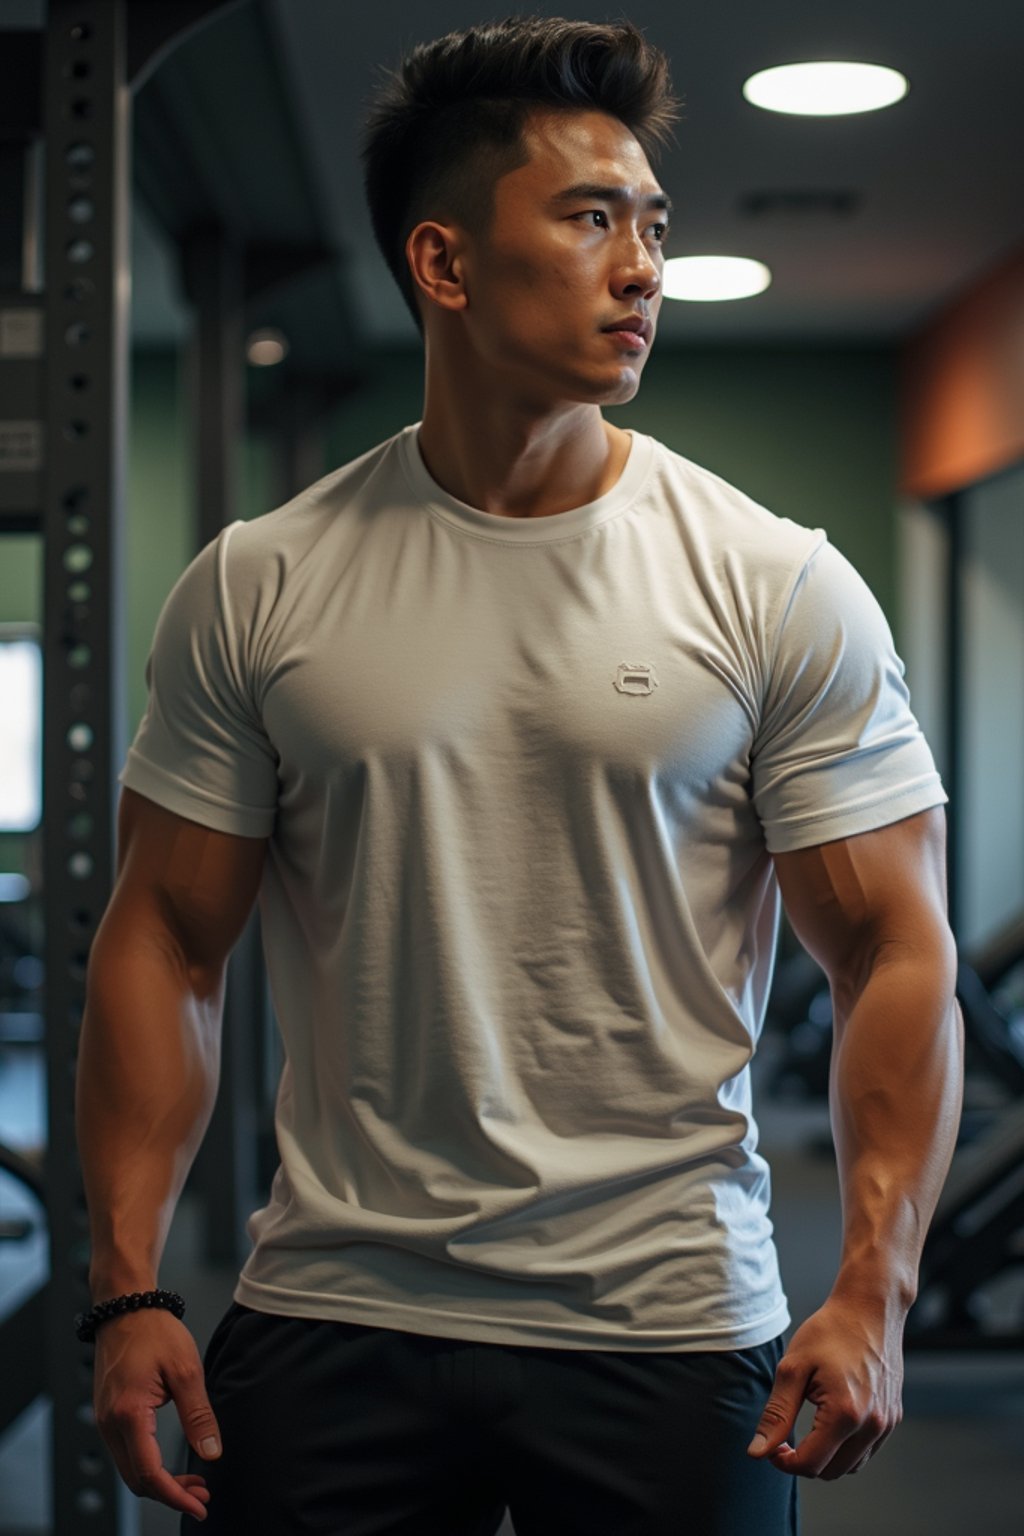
519	724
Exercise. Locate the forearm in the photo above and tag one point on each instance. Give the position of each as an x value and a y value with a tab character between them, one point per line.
146	1084
896	1090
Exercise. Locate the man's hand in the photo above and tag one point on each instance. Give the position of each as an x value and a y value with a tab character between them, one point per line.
847	1359
143	1359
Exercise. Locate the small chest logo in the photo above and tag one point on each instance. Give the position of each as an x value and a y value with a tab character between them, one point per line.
633	677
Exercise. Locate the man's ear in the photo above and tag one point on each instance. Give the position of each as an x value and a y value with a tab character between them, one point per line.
436	264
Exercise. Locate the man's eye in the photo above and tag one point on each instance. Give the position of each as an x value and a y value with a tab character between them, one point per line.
601	214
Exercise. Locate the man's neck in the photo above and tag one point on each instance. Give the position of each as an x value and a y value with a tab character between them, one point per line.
507	475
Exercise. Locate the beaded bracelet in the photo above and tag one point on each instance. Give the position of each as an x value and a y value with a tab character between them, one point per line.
86	1323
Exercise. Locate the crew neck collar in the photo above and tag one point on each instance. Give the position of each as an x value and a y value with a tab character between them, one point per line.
525	530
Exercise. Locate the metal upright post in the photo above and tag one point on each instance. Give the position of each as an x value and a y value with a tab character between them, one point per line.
87	117
66	132
951	510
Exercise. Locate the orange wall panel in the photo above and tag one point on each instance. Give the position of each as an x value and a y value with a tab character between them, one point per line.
962	387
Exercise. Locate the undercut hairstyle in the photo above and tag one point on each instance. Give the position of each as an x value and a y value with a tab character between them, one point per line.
451	119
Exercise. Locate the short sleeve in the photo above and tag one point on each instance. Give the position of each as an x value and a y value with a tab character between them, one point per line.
838	750
201	749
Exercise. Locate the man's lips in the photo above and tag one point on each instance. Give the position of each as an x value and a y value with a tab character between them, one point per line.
633	340
635	323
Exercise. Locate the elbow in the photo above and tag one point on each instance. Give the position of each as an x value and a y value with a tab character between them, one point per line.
932	949
927	959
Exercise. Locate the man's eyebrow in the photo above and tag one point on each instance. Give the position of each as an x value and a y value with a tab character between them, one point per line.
584	189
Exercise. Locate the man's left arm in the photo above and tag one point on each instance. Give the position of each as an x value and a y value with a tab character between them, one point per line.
872	911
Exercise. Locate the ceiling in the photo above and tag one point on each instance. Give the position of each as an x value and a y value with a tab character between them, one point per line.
935	179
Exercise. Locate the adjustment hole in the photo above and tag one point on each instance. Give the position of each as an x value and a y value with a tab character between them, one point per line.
80	156
80	737
80	866
77	557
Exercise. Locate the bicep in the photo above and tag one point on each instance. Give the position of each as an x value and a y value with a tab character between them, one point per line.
182	884
849	899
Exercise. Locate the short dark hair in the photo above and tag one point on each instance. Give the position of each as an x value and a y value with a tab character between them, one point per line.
450	120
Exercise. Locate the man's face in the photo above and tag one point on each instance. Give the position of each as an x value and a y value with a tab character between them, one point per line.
555	271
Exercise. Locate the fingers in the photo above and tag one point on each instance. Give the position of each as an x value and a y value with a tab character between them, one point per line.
138	1369
831	1451
139	1461
840	1362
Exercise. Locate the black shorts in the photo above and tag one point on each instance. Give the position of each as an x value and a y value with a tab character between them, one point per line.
342	1430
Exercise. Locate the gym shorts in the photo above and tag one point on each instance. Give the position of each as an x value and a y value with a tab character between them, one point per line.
336	1429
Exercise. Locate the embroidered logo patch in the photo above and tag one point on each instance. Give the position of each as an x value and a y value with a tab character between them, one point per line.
635	677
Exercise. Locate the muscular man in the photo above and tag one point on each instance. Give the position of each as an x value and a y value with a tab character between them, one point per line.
521	727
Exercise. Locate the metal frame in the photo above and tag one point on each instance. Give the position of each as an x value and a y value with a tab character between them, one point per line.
950	513
66	135
64	378
86	308
977	1222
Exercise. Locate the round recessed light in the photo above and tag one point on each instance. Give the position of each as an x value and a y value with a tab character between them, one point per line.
835	89
710	279
266	348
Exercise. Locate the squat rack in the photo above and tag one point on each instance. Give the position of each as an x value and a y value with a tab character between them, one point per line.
69	123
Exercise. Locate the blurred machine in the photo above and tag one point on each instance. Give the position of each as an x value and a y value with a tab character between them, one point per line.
971	1291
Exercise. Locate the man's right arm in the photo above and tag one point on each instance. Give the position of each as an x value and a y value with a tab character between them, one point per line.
148	1069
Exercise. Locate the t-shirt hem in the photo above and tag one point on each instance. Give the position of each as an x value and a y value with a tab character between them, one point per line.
450	1324
157	784
870	814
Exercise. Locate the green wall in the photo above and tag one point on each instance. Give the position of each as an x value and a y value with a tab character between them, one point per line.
810	434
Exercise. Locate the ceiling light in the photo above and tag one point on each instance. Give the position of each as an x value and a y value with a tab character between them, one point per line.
709	279
266	348
826	90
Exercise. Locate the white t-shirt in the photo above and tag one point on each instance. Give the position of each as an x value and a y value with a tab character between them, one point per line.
522	780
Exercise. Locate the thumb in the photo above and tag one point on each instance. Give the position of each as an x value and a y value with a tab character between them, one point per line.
199	1423
778	1417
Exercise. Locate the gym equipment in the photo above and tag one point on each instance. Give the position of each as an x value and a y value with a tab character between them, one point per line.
976	1237
799	1013
65	157
800	1009
991	1039
22	1332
